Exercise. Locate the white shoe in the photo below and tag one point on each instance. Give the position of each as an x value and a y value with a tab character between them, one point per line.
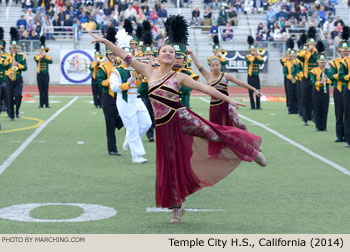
125	145
139	160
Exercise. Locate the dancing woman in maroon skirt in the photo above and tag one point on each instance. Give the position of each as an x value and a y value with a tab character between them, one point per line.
221	112
182	164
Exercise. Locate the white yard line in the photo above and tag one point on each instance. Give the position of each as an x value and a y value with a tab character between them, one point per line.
164	210
22	147
303	148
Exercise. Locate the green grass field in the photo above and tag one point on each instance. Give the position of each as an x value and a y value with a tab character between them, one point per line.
67	162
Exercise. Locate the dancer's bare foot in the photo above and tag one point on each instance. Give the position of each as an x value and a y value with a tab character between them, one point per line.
177	214
260	160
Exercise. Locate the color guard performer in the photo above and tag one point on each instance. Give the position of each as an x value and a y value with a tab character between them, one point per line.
43	78
96	90
319	79
338	85
14	81
109	106
254	60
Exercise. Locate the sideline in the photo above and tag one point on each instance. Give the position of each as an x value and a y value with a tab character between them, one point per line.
303	148
21	148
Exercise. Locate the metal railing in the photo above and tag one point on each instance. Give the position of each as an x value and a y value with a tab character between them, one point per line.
60	33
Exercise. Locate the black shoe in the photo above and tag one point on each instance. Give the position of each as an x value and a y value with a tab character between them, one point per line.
347	145
339	140
114	153
40	106
305	123
48	106
18	115
12	119
96	106
151	139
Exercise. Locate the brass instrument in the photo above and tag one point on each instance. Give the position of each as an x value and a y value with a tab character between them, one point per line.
14	69
324	81
223	52
101	58
261	51
46	50
143	59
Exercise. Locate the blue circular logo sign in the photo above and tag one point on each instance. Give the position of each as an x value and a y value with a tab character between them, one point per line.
75	66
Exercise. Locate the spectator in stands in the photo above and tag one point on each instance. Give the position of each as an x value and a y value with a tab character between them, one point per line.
113	21
232	16
248	6
207	12
77	4
136	6
302	13
56	23
88	2
140	17
99	4
100	17
115	15
222	20
270	13
162	13
312	22
106	10
270	26
28	4
196	16
21	30
338	20
207	3
33	35
157	5
48	29
84	17
62	14
282	14
122	5
21	21
145	8
130	13
29	15
77	25
227	33
214	31
328	26
24	36
50	12
311	11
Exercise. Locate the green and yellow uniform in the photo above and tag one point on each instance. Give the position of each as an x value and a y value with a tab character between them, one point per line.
43	78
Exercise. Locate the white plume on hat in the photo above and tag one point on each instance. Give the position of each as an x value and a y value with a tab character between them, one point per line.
123	38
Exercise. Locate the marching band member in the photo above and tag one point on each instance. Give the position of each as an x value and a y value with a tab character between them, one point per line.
43	77
320	81
299	70
132	110
309	59
96	90
344	76
289	73
338	85
14	81
254	60
3	67
217	53
109	106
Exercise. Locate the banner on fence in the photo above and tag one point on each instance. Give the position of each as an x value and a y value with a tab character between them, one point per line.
74	66
237	63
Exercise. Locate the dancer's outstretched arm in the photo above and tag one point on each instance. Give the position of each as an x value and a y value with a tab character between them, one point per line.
140	67
200	68
230	77
185	80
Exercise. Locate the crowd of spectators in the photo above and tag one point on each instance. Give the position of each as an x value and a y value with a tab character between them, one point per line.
47	16
299	16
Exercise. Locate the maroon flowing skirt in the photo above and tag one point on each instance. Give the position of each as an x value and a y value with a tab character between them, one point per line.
182	160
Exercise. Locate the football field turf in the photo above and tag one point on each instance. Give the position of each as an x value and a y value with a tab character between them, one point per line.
304	188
